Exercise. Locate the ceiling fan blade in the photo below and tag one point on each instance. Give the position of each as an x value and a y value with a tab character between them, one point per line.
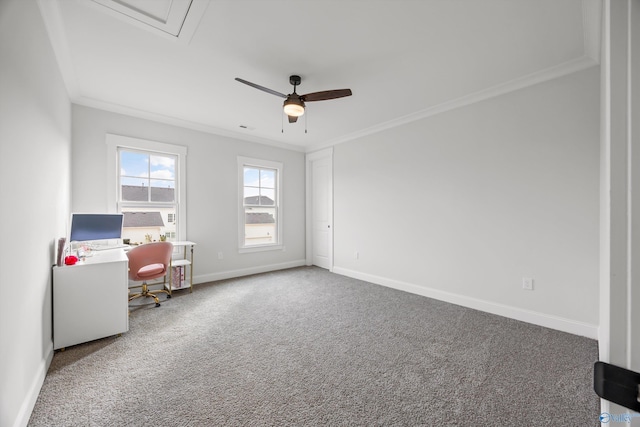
327	94
293	119
262	88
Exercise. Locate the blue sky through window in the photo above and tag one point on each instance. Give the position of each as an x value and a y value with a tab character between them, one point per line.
260	182
142	169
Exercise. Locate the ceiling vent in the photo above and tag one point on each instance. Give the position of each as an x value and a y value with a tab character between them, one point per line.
171	17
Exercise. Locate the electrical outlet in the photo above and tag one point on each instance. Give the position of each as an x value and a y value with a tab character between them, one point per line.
527	283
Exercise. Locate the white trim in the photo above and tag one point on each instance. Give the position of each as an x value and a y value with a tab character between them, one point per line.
175	26
30	398
604	334
167	25
591	26
551	73
265	164
319	154
230	274
536	318
261	248
633	135
114	141
55	28
192	21
619	342
174	121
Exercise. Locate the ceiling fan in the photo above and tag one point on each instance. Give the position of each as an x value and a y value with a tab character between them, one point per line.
294	103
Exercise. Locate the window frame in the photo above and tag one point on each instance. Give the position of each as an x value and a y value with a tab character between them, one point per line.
259	164
117	142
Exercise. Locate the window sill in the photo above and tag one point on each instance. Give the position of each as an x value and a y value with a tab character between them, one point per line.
262	248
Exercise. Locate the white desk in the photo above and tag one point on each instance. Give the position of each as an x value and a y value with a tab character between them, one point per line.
90	298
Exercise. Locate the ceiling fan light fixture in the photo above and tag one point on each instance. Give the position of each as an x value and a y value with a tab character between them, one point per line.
293	107
294	103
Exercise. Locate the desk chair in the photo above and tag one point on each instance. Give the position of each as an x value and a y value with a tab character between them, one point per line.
147	262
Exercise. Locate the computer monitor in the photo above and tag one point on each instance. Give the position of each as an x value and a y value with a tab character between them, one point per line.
100	226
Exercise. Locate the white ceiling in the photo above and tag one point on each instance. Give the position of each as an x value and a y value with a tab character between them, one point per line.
403	59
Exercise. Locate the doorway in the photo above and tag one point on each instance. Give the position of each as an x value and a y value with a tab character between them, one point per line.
319	166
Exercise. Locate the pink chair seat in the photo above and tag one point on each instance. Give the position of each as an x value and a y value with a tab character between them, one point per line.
149	261
150	270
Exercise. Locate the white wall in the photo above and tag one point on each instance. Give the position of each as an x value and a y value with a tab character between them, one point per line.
462	205
212	189
35	144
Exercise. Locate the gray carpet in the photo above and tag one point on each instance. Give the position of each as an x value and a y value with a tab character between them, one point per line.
304	347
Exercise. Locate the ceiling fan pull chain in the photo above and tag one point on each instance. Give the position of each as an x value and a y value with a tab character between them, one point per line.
306	117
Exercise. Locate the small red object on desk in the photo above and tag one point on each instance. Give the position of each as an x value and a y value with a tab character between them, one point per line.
70	260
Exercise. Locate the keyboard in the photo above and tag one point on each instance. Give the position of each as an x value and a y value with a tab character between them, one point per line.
108	247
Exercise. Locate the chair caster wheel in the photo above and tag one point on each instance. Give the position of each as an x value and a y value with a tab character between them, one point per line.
168	296
157	304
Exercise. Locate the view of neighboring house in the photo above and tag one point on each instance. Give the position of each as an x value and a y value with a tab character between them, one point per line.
141	227
260	227
260	223
147	223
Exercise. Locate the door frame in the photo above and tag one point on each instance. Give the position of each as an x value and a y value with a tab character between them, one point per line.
619	335
309	159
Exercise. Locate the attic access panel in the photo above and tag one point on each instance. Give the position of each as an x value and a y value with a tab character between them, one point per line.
167	16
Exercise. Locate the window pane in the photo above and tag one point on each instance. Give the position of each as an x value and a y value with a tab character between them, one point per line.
162	173
148	179
268	197
134	164
134	176
259	192
251	195
267	178
260	226
134	189
138	182
144	225
251	177
162	194
162	183
162	167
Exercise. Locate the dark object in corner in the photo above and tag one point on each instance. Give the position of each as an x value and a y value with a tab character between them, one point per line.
617	385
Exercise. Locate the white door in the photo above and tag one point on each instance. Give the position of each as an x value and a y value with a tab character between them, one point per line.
320	208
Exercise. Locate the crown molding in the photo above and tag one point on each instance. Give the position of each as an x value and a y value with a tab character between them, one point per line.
592	24
551	73
173	121
50	10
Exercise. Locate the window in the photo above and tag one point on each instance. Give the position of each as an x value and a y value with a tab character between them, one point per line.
260	200
149	188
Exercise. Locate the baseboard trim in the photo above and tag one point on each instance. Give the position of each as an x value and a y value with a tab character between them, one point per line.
24	414
529	316
230	274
